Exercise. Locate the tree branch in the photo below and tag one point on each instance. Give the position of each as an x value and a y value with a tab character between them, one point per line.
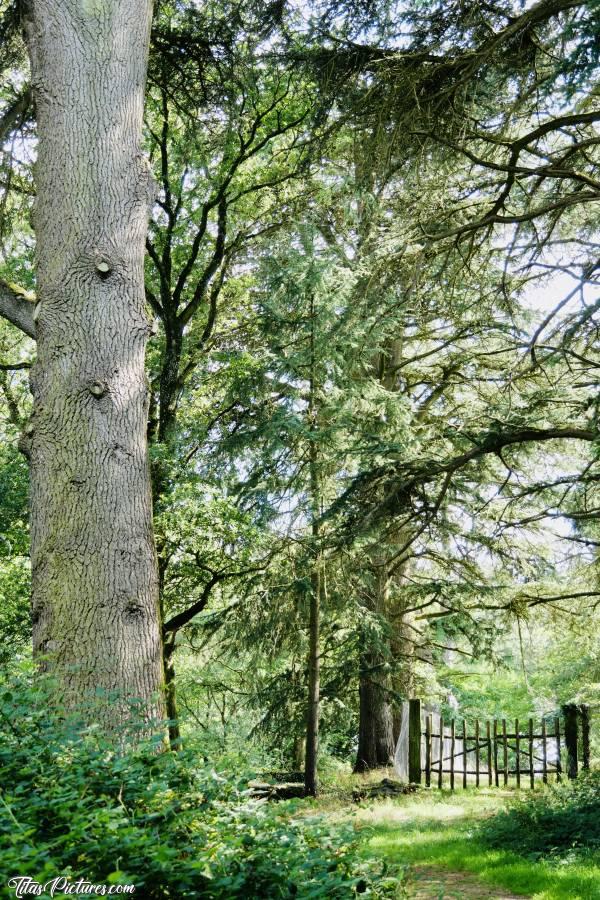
178	621
17	307
15	113
400	481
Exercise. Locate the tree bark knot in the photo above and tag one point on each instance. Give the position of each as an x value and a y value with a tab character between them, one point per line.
98	389
104	269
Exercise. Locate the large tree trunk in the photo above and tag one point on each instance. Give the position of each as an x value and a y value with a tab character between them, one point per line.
375	730
95	589
376	744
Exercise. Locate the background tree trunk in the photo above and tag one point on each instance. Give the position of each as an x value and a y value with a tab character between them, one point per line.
95	589
171	698
375	730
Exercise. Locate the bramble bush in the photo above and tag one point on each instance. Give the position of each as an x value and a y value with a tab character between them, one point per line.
563	819
70	805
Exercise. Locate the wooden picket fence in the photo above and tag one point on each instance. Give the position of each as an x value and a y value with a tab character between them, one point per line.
497	753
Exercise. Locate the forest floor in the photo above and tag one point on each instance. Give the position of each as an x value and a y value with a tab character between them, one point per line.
433	837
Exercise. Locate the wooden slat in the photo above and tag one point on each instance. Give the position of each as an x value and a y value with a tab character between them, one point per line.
428	751
488	740
544	753
585	737
518	752
510	771
440	773
510	736
476	753
414	741
571	714
531	769
557	738
496	752
464	739
452	746
504	752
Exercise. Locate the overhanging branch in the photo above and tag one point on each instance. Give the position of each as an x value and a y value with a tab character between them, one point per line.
400	481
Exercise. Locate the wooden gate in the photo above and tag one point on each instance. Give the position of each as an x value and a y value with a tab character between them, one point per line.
496	753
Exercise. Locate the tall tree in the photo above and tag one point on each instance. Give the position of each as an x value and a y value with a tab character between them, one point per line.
95	585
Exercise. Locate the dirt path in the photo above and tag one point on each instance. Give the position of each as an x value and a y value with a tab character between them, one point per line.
430	883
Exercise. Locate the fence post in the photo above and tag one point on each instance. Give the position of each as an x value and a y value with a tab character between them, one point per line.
452	751
585	737
518	753
531	761
428	730
476	753
496	780
414	741
544	753
570	713
464	740
441	769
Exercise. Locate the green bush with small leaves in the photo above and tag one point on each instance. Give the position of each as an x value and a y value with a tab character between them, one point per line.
73	806
561	820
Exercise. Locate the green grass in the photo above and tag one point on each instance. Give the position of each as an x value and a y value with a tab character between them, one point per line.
439	830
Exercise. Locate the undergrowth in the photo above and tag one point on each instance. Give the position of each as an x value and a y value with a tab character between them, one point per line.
72	805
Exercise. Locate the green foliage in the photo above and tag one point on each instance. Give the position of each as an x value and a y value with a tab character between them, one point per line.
560	821
15	570
71	805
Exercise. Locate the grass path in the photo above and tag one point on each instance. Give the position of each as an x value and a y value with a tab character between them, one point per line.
427	882
433	835
436	838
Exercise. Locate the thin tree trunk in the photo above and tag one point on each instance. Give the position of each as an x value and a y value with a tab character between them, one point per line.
311	786
169	380
299	752
95	587
171	699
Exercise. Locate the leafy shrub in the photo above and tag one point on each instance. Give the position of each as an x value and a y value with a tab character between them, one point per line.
70	805
563	818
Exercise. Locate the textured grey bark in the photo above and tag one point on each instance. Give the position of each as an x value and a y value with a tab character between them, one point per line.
95	588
